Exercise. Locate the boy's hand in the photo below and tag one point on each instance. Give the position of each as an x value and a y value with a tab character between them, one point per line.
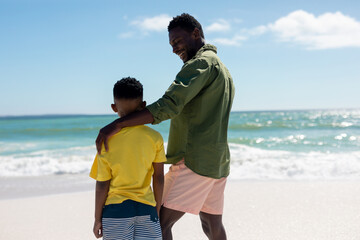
98	229
104	134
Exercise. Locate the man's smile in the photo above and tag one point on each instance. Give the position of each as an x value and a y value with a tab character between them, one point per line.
181	54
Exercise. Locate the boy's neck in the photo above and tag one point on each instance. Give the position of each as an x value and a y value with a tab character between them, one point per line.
129	113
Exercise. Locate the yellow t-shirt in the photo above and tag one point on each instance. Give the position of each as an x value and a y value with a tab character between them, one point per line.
128	164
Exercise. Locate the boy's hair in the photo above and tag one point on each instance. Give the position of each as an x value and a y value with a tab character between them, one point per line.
128	88
186	22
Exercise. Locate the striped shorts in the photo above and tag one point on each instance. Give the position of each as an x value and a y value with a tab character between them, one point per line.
130	220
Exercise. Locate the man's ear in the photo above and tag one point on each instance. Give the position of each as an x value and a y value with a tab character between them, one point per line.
196	33
143	104
113	106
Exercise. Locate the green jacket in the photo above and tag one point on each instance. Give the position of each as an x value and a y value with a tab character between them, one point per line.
198	103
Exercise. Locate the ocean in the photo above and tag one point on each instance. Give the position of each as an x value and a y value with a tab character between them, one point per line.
276	145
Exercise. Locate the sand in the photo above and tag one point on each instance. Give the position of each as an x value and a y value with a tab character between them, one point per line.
254	210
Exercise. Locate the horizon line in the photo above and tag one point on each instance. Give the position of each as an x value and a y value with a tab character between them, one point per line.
235	111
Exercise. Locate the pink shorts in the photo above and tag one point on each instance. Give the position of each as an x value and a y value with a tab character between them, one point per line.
189	192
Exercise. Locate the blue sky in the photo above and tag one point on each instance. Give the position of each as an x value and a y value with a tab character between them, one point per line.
63	57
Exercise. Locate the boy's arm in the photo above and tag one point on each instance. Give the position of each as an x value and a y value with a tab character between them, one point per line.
158	184
137	118
102	189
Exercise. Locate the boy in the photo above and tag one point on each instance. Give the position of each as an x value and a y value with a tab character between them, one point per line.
124	202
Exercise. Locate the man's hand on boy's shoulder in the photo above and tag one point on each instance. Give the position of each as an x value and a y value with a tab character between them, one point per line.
104	134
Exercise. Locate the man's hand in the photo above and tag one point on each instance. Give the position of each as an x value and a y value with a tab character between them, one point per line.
104	134
98	232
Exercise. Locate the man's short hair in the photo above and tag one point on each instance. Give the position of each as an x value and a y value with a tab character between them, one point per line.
128	88
186	22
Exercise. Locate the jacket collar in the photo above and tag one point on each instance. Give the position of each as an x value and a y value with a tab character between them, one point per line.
206	47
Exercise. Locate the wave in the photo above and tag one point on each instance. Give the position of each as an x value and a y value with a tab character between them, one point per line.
292	125
49	131
73	160
254	163
301	142
247	162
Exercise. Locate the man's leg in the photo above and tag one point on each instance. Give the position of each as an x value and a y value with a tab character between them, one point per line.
168	217
213	226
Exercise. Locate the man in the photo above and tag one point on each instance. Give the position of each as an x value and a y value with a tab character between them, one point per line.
198	103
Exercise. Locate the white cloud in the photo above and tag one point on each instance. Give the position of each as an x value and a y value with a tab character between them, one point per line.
220	26
158	23
329	30
326	31
234	41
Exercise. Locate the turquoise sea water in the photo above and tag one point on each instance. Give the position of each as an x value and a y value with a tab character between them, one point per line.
316	144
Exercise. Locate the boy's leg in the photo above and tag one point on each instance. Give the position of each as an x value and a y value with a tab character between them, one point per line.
168	217
213	226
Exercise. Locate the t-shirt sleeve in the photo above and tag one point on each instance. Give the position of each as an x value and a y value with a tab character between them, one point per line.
94	168
160	152
192	78
100	169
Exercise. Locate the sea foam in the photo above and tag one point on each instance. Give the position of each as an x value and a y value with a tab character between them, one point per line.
254	163
246	163
48	162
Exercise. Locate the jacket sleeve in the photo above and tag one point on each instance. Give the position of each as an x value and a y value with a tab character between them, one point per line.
193	77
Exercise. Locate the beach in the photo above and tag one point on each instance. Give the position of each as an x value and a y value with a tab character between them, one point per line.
254	210
295	175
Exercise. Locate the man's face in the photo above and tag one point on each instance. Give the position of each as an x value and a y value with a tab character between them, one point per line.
183	43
